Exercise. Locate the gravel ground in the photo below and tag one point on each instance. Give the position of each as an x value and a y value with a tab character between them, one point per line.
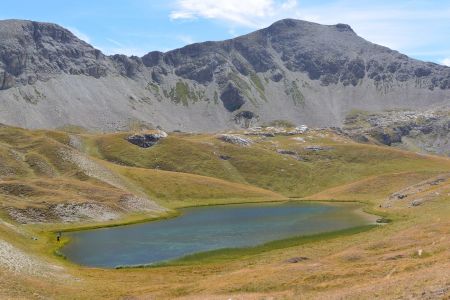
18	262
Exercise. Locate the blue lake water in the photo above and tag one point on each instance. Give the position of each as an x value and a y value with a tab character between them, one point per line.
206	228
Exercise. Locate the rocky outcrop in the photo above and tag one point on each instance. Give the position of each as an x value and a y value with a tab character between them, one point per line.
234	139
427	130
6	81
31	51
419	193
146	140
231	98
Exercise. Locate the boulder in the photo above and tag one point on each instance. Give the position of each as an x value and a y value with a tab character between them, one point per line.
317	148
286	152
417	202
234	139
146	140
295	260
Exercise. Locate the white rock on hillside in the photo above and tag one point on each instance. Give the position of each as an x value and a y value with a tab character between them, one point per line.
234	139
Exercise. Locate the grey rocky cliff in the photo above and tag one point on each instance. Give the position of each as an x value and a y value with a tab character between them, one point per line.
293	70
426	131
31	51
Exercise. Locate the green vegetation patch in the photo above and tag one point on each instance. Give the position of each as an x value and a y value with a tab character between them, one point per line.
282	123
296	94
237	253
259	85
182	93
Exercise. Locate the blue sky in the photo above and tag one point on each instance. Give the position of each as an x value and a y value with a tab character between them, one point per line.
418	28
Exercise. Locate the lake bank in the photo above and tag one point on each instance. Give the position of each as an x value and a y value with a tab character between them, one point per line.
209	228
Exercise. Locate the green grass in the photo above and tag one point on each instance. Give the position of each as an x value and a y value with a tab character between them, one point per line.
262	166
296	94
282	123
237	253
175	154
182	93
174	189
216	98
259	85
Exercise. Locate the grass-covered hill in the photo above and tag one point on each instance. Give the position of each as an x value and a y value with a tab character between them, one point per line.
51	180
44	171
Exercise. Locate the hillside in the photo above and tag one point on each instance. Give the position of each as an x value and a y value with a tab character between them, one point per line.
53	180
293	70
67	177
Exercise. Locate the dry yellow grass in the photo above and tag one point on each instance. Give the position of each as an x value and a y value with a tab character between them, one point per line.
380	263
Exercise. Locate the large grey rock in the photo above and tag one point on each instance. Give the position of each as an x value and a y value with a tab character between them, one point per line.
234	139
293	70
146	140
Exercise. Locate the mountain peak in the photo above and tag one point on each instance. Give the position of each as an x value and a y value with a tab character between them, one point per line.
32	51
292	70
299	24
14	28
344	27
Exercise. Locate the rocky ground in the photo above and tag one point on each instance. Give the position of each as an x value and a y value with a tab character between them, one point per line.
425	131
17	261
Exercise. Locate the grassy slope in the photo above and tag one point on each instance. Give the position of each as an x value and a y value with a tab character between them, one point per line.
348	171
262	166
173	189
34	167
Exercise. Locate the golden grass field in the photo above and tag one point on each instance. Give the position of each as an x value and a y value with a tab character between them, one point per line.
407	258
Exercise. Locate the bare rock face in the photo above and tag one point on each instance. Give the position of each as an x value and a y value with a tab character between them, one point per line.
232	98
293	70
6	81
32	51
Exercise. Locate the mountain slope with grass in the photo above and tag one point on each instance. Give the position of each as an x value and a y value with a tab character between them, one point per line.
81	176
62	180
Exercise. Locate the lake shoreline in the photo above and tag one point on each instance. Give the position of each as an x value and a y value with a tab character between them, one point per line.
176	213
356	209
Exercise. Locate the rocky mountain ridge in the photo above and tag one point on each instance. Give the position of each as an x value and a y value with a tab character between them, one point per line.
293	70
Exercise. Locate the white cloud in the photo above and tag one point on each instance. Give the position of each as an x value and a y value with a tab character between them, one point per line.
248	13
79	34
186	39
115	47
399	25
446	61
414	27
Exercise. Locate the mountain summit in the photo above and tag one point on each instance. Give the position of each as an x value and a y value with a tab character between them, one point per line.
292	70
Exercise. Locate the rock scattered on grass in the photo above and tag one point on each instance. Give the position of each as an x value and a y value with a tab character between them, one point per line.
317	148
417	202
234	139
395	257
134	203
295	260
286	152
299	139
19	262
